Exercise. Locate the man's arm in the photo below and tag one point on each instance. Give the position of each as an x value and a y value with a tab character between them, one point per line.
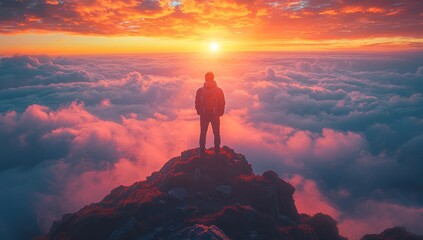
198	101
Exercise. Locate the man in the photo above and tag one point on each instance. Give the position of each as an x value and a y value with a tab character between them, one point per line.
210	105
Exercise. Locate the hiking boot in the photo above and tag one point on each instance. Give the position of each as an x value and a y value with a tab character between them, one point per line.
216	150
202	152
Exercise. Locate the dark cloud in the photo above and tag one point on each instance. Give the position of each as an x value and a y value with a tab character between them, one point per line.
344	128
150	5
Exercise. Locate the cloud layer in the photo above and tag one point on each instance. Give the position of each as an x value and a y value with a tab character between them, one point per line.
344	129
258	19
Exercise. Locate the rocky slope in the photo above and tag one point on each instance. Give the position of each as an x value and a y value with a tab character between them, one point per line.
214	197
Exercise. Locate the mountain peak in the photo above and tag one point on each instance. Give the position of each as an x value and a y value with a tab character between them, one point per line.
222	168
193	197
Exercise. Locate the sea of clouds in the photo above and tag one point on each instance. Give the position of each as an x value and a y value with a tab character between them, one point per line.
346	129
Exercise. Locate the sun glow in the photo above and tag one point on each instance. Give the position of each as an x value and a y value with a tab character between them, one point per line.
63	44
214	47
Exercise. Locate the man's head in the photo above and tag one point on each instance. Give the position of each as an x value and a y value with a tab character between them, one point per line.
209	76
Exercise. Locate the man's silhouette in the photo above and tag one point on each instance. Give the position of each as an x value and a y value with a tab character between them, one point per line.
210	105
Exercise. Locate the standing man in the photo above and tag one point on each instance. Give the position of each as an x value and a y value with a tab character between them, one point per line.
210	105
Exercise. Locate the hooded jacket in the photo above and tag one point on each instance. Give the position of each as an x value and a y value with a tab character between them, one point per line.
210	88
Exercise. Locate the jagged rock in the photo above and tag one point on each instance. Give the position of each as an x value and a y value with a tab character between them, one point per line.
395	233
325	227
225	190
200	232
149	236
189	153
123	231
271	175
152	235
197	174
253	235
285	221
178	193
198	197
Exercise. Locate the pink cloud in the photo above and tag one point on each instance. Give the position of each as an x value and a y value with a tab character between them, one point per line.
310	200
333	145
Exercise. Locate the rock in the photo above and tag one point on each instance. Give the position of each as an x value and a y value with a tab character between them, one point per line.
235	220
200	232
325	227
395	233
270	190
225	190
188	210
253	235
212	197
178	193
152	177
124	230
197	174
271	175
189	153
149	236
285	220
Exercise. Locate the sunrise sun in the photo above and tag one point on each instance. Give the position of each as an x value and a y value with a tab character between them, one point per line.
214	47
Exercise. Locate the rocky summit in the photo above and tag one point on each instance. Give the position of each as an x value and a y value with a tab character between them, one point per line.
193	197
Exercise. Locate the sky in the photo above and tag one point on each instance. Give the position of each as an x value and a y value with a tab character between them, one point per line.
106	26
97	94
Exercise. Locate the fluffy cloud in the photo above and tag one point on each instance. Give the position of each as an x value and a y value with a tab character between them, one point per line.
345	129
57	161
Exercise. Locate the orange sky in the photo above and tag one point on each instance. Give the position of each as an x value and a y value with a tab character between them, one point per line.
107	26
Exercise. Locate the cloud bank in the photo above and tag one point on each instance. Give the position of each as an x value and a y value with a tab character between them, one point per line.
345	129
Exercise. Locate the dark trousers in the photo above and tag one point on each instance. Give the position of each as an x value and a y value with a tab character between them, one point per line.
204	124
